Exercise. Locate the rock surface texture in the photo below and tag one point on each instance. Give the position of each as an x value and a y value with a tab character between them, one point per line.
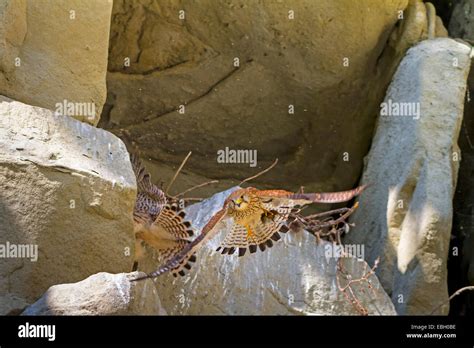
100	294
462	26
205	76
405	217
293	277
68	189
462	20
51	51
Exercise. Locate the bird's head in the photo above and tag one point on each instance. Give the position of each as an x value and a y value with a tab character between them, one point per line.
239	202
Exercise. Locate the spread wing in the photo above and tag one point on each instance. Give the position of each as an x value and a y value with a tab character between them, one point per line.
144	183
165	248
280	204
261	235
180	261
282	197
172	220
150	198
157	211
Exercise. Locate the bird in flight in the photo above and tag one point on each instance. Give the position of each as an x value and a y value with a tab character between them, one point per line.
159	220
257	217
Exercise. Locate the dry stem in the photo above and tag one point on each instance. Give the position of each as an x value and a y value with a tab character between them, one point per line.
260	173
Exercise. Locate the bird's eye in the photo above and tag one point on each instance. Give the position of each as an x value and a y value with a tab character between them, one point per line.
238	200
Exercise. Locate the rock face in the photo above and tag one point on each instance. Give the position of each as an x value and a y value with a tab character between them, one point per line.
293	277
100	294
66	189
52	51
238	70
462	26
405	216
462	20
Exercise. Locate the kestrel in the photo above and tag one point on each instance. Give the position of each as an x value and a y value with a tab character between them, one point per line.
257	218
159	220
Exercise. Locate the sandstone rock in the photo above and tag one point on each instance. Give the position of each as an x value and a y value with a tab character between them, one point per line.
51	51
100	294
12	33
68	189
405	216
293	277
282	61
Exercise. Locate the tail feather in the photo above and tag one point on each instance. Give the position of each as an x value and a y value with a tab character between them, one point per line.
184	266
176	264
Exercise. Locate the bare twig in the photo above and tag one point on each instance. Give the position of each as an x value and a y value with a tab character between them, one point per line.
260	173
196	187
177	172
324	225
331	222
456	293
328	213
345	211
348	291
329	227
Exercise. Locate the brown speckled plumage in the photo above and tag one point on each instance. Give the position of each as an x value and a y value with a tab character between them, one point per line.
257	218
159	220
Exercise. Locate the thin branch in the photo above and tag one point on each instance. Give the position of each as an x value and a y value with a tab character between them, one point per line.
327	213
456	293
177	172
345	211
352	297
324	225
260	173
196	187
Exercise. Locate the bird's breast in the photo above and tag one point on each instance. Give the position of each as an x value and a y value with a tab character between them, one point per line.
249	216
